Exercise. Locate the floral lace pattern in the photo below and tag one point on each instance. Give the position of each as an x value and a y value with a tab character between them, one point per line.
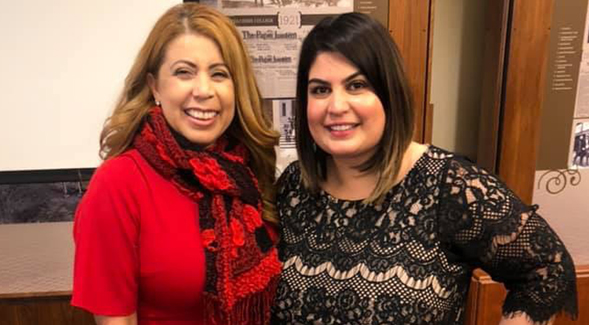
409	260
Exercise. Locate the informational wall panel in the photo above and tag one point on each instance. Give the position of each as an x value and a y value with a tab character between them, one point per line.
563	85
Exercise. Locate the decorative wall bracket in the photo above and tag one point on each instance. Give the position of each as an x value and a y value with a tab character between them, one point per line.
557	180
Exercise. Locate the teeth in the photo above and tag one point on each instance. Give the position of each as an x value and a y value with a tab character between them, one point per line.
202	115
341	127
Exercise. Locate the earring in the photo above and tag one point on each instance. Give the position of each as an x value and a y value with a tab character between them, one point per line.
158	103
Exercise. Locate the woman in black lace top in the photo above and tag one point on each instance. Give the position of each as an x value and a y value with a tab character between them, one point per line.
377	229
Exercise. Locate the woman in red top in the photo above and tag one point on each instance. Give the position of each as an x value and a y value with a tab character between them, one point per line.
173	227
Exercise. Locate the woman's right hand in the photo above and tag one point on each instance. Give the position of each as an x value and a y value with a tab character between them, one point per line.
122	320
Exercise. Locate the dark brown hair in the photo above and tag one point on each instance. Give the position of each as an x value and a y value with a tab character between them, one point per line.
367	45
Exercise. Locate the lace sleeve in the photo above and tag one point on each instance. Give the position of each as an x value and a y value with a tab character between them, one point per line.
486	225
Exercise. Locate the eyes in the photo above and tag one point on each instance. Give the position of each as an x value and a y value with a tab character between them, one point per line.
219	73
354	86
182	73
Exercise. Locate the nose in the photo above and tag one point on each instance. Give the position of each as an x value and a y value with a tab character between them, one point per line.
338	103
202	87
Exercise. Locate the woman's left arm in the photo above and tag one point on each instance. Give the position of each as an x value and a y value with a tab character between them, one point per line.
494	230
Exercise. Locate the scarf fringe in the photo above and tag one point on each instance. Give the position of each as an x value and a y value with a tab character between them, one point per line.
258	278
254	309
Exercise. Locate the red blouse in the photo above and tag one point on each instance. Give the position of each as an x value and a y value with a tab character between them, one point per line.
138	246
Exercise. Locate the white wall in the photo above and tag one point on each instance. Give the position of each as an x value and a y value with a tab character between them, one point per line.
562	197
456	73
63	63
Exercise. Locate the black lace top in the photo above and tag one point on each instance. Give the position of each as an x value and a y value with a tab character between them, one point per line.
410	259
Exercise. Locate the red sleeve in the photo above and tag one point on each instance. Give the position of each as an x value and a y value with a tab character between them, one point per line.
106	226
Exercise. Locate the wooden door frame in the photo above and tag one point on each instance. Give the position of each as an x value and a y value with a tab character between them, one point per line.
513	80
411	26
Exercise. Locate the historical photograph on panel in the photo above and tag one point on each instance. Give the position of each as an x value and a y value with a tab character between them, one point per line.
580	144
283	115
283	120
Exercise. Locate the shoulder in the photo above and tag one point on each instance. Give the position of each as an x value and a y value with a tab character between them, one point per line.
453	164
114	195
289	179
124	166
123	173
463	168
456	172
292	173
433	162
474	187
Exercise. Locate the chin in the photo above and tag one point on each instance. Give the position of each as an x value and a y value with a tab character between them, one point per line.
204	143
350	154
343	153
201	137
200	140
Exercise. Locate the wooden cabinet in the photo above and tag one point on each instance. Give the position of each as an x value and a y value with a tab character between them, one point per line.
53	309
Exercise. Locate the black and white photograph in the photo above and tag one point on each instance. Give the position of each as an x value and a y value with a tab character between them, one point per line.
283	120
580	152
283	112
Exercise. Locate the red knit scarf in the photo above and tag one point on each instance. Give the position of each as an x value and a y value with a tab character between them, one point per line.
242	264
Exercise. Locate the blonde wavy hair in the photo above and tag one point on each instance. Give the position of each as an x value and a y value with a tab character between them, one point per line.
252	127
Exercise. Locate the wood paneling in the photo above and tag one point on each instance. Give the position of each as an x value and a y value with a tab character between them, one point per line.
496	25
486	299
526	74
428	107
410	24
42	311
429	124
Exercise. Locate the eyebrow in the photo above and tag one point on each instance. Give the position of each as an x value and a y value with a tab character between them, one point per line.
192	65
323	82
